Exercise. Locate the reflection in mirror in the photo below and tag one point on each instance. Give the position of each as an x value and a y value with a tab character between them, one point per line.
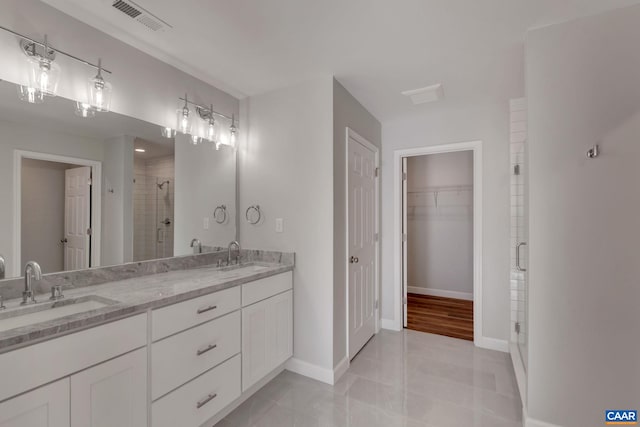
85	192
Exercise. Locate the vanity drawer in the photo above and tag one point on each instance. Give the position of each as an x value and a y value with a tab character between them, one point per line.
178	359
196	402
178	317
259	290
30	367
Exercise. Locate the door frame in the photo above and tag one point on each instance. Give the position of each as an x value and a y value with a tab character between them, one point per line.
398	285
350	133
96	201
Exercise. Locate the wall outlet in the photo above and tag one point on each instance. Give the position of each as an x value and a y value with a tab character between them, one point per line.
279	225
205	223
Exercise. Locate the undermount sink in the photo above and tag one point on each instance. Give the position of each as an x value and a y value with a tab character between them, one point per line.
50	310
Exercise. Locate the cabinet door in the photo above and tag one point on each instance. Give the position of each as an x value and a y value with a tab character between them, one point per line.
267	332
111	394
46	406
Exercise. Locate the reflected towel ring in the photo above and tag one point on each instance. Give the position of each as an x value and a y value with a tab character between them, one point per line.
223	210
255	208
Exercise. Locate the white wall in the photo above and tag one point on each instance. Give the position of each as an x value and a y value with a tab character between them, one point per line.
583	89
347	112
117	201
442	124
204	179
286	166
144	87
440	232
15	136
43	187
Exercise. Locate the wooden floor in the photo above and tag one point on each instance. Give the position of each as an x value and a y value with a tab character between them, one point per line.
442	316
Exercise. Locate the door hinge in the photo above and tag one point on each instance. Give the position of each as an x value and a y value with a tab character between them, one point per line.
377	173
88	231
376	237
404	237
404	176
516	170
517	327
404	301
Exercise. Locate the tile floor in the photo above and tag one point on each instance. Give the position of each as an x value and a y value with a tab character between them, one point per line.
404	379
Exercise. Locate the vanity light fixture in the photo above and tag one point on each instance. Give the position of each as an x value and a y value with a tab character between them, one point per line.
100	91
85	110
44	73
183	123
168	132
211	130
30	95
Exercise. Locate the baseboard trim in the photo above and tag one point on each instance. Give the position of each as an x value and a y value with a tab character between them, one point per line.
340	369
310	370
492	344
531	422
390	324
440	293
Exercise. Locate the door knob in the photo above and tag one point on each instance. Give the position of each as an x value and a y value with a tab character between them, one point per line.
64	240
353	260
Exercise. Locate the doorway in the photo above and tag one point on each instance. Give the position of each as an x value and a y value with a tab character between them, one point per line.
362	241
57	205
438	239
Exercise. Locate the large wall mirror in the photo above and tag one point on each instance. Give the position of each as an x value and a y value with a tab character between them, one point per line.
83	192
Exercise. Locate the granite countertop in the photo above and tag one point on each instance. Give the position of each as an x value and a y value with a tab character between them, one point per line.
130	297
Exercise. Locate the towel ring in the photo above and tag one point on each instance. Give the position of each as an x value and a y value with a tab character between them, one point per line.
254	208
222	209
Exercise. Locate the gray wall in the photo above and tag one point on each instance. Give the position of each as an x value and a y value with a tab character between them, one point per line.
347	112
583	88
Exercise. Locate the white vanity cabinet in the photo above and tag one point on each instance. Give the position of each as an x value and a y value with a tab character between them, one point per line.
267	327
46	406
111	394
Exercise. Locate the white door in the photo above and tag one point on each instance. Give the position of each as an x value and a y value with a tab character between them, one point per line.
111	394
405	238
361	244
46	406
267	337
77	218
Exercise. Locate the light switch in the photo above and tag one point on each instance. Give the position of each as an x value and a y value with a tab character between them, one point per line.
279	225
205	223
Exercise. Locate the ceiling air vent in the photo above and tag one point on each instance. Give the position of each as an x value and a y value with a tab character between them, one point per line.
424	95
141	15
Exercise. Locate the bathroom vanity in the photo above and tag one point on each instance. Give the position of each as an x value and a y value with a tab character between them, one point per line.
180	348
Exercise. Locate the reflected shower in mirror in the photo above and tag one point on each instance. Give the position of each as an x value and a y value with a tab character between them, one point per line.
87	192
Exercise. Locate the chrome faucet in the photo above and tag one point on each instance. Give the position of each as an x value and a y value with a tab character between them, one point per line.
32	271
2	267
196	243
237	245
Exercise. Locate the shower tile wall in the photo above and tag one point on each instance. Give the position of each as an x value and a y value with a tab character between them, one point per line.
152	205
518	137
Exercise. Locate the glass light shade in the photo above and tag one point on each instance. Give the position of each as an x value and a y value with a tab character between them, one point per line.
85	110
212	132
168	132
30	95
233	136
44	76
184	124
100	94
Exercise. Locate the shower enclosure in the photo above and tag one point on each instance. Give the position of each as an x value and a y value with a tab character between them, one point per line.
153	217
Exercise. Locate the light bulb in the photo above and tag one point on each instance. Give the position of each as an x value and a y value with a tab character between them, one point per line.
44	80
211	131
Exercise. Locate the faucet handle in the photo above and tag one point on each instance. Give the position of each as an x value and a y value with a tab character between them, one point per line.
56	293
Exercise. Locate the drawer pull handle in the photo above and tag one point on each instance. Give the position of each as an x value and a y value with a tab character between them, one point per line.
206	349
205	309
206	400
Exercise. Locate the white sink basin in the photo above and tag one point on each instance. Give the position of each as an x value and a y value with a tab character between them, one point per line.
46	311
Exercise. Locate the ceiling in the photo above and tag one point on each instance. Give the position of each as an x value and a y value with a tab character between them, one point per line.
58	114
375	48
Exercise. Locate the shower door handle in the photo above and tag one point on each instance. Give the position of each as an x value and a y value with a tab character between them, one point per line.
518	267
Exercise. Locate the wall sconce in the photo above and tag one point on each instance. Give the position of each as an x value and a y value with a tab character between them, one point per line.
183	118
44	73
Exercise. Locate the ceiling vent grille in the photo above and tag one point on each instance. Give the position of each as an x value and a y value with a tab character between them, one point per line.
140	15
